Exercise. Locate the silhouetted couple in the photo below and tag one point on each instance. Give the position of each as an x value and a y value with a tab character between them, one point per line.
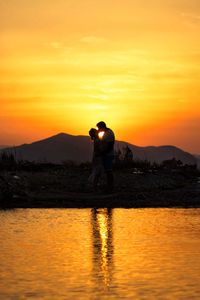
103	155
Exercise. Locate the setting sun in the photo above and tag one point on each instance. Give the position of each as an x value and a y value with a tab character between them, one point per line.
101	134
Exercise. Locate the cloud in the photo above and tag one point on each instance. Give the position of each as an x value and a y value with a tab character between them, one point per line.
92	40
56	45
191	20
191	16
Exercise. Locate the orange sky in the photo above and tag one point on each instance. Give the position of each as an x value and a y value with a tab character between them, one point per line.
67	64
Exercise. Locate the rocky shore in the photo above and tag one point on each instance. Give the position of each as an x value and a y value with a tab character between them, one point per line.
70	188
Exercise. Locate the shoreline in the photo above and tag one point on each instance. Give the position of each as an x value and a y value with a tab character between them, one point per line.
156	199
70	189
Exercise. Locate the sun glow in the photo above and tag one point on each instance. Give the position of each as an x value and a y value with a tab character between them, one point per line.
101	134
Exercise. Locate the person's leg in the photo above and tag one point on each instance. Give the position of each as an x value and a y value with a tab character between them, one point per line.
96	182
107	162
99	171
110	180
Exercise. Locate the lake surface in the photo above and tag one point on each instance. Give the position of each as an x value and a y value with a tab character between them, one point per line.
100	254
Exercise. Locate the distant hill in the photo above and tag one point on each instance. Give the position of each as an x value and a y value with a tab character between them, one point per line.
4	146
159	153
66	147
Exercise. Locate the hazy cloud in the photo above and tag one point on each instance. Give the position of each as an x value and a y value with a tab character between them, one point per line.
92	40
191	16
191	20
56	45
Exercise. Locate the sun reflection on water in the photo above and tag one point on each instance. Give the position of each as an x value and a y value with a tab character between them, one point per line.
102	239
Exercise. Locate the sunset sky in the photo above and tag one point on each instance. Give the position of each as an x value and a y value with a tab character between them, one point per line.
67	64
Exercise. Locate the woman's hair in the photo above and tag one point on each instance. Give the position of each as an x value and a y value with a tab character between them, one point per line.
93	133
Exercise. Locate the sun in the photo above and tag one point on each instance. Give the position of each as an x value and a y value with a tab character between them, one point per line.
101	134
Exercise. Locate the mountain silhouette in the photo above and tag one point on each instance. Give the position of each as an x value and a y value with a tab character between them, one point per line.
66	147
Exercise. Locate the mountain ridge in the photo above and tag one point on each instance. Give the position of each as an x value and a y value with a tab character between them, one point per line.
78	148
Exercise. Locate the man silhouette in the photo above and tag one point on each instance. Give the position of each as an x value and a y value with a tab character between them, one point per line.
107	137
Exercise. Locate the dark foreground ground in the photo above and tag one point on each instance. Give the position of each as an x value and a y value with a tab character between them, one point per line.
69	188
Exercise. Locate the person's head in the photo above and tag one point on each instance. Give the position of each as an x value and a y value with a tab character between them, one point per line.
93	133
101	125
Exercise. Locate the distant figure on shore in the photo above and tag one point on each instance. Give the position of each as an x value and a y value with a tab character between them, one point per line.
107	138
97	162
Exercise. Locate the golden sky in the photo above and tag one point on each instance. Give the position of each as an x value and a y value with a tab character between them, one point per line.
67	64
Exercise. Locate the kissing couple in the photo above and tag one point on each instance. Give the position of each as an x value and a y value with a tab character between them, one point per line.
103	155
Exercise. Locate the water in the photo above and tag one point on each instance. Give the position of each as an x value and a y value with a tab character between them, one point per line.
100	254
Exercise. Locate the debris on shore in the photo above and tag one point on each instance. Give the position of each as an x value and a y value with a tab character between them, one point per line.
69	187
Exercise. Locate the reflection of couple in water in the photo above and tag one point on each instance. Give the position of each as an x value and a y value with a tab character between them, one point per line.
103	155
